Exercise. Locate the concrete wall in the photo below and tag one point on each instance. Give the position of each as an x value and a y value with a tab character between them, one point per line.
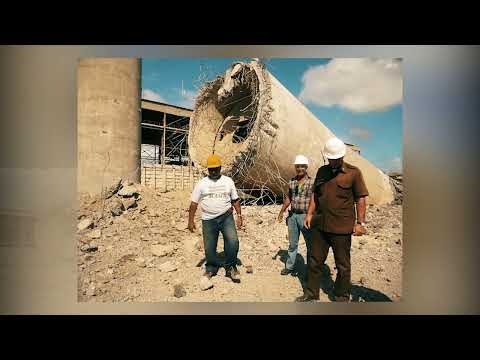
109	117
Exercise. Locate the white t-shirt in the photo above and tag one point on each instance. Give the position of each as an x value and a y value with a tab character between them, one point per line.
214	196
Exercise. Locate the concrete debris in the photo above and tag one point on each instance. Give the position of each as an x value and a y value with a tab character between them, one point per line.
91	291
128	191
117	208
158	231
139	252
205	283
89	248
129	203
168	266
162	250
95	234
112	190
396	180
179	291
85	224
141	262
181	227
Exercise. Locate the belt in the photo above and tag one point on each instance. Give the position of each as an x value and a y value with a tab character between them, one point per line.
298	211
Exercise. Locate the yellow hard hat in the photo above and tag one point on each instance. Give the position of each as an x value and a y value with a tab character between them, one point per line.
213	161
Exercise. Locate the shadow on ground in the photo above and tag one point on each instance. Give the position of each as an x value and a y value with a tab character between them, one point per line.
358	292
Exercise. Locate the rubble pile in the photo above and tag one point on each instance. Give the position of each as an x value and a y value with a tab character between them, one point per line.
133	245
396	179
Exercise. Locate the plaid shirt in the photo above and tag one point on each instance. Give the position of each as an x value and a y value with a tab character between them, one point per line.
300	194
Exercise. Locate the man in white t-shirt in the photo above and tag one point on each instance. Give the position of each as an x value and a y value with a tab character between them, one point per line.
217	197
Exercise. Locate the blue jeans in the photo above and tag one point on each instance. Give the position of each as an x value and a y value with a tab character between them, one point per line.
211	229
295	226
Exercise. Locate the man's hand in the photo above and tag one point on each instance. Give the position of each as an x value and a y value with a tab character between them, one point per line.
359	230
308	220
280	217
239	222
191	226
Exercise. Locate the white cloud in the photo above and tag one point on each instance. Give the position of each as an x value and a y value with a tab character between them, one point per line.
148	94
188	98
360	133
359	85
394	164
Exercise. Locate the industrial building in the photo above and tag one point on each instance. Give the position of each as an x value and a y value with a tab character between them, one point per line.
165	159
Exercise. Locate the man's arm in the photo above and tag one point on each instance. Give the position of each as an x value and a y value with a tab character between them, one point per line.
360	193
310	211
236	205
361	205
191	216
286	204
361	209
238	210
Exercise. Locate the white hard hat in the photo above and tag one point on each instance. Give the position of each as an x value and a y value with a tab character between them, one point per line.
301	160
334	149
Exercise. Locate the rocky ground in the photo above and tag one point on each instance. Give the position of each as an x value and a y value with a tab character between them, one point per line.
133	246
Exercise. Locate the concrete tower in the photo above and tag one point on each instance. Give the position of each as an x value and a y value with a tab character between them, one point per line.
109	133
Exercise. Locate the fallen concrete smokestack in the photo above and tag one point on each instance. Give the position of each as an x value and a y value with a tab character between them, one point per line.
258	127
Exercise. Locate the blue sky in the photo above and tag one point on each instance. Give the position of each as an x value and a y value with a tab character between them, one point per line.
358	99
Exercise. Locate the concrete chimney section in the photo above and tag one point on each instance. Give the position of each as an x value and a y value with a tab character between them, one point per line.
109	95
258	127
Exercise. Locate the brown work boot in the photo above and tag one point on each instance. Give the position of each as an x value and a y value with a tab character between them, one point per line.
306	298
233	274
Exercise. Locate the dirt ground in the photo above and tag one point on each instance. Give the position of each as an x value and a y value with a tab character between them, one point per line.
146	254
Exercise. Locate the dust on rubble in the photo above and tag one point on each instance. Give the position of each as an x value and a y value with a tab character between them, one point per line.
136	247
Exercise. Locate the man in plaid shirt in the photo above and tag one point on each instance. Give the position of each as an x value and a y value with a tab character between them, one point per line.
299	193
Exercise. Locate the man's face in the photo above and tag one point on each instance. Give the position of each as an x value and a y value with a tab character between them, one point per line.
301	170
335	163
214	173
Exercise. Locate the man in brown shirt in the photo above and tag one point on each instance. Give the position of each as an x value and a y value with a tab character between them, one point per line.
332	218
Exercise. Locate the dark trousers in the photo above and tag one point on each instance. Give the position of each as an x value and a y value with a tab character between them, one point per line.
211	229
341	244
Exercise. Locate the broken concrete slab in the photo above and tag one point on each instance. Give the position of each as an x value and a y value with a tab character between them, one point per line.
129	203
128	191
168	266
205	283
162	250
85	224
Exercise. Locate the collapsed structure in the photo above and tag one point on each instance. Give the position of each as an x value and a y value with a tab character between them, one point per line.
257	127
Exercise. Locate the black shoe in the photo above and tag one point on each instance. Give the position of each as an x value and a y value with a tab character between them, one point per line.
305	298
286	271
233	274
